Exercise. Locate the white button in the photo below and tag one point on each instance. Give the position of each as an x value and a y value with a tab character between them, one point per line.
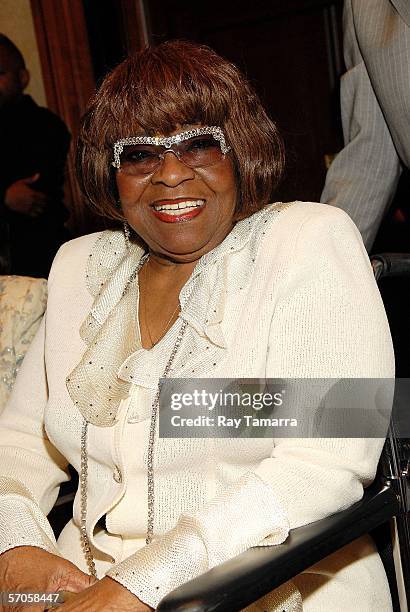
117	474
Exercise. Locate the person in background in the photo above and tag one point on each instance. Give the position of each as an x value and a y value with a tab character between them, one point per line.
375	105
34	146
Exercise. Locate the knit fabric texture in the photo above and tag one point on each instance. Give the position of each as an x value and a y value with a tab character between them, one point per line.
289	293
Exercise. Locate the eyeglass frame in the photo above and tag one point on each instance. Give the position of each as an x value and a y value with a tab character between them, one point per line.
168	141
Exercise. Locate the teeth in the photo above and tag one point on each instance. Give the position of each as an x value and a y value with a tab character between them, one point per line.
176	213
173	209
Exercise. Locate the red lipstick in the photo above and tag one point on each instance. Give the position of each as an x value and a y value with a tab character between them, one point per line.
178	215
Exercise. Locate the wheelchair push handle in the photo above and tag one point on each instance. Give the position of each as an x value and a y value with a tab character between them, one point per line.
391	264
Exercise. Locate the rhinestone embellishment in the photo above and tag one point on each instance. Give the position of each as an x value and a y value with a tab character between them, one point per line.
85	542
151	440
168	141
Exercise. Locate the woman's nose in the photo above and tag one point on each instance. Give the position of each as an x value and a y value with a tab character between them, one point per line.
172	171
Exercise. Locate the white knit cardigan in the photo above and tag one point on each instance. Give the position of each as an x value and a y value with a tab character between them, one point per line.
289	293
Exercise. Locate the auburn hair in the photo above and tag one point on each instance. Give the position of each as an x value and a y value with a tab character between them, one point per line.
170	85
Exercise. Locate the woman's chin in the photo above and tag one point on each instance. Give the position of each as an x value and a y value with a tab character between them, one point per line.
184	252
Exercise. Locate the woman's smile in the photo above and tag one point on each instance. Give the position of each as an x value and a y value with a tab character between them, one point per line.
178	210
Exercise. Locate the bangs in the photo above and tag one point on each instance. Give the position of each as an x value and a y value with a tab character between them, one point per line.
169	87
162	91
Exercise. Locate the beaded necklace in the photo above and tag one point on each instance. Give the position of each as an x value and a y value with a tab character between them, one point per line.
85	541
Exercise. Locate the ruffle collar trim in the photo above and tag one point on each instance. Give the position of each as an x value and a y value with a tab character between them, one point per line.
103	377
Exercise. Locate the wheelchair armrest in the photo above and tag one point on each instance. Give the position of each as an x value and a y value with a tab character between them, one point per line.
390	264
247	577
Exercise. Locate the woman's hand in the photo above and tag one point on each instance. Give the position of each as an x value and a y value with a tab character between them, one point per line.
107	595
32	569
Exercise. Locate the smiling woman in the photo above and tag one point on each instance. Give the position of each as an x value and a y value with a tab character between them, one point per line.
191	144
201	194
174	85
207	280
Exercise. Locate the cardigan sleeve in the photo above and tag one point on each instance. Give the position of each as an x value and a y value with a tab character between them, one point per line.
31	468
333	302
330	322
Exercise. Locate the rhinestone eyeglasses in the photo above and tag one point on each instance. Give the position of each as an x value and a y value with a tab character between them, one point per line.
196	148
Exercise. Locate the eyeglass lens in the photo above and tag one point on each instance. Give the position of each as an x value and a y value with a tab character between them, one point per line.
196	152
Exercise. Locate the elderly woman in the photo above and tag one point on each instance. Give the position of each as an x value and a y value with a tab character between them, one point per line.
207	280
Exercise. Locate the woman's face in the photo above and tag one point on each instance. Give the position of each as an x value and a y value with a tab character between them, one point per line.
181	236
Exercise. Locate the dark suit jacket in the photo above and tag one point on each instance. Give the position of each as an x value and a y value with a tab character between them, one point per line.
33	139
